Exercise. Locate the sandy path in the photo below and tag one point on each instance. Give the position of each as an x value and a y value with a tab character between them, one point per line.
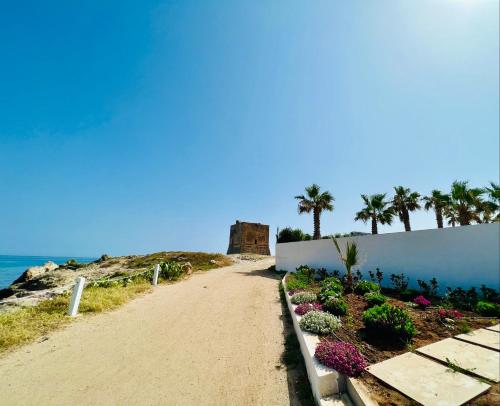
215	339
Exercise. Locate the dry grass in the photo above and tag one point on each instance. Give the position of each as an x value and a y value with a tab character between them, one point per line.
199	260
27	324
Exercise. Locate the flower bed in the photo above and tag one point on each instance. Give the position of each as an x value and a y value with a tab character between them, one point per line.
383	323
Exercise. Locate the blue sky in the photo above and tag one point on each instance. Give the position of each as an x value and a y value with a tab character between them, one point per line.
132	127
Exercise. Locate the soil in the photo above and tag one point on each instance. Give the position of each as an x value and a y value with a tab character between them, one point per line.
429	330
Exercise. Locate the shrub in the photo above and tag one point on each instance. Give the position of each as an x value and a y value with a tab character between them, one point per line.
388	320
488	309
304	308
336	306
408	294
289	234
307	272
449	314
489	295
428	289
363	287
320	322
422	302
296	282
171	270
400	282
304	297
375	298
461	298
343	357
332	283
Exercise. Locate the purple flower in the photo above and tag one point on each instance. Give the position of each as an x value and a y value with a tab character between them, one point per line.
304	308
343	357
422	301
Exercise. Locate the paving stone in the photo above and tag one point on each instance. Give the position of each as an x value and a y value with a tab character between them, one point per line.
478	360
494	328
426	381
486	338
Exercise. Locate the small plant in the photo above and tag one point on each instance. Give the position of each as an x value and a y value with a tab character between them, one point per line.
461	298
322	274
389	320
307	272
489	295
304	308
332	283
296	281
358	277
343	357
449	314
349	258
336	306
408	294
400	282
464	327
336	273
171	270
428	289
372	276
375	298
488	309
380	276
304	297
422	302
320	322
363	287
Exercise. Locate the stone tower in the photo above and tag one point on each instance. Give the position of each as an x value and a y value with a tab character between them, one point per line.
249	238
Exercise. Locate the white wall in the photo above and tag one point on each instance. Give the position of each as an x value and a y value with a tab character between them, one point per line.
461	256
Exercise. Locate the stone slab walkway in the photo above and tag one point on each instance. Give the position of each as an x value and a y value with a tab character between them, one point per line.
431	383
426	381
483	337
494	328
478	360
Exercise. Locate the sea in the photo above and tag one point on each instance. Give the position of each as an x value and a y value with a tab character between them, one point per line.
12	266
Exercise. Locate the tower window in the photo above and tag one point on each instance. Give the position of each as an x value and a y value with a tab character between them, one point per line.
255	242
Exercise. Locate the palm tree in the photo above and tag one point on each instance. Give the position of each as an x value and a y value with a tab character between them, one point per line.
349	259
494	194
437	201
466	202
450	212
376	209
403	203
316	202
486	210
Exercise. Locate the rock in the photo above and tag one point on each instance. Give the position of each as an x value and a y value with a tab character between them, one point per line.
36	271
213	262
187	268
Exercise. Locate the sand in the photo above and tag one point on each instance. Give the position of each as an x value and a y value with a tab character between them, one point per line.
214	339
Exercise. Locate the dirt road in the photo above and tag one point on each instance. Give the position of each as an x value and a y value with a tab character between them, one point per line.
214	339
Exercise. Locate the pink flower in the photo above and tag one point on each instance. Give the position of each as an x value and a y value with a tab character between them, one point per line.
343	357
304	308
422	301
450	314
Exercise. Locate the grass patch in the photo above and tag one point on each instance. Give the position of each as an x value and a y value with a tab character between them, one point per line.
199	260
27	324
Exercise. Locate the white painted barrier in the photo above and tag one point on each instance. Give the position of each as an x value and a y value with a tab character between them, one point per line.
76	296
462	256
155	274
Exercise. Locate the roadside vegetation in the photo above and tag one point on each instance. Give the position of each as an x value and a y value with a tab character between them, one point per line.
27	324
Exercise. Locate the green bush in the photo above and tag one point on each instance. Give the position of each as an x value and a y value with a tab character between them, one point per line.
336	306
375	298
408	295
363	287
171	270
462	299
488	309
296	281
289	234
390	321
320	322
307	272
332	283
304	297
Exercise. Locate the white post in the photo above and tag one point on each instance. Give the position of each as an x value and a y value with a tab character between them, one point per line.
155	274
77	295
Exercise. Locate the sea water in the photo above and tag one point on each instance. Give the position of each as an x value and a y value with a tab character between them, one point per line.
12	266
